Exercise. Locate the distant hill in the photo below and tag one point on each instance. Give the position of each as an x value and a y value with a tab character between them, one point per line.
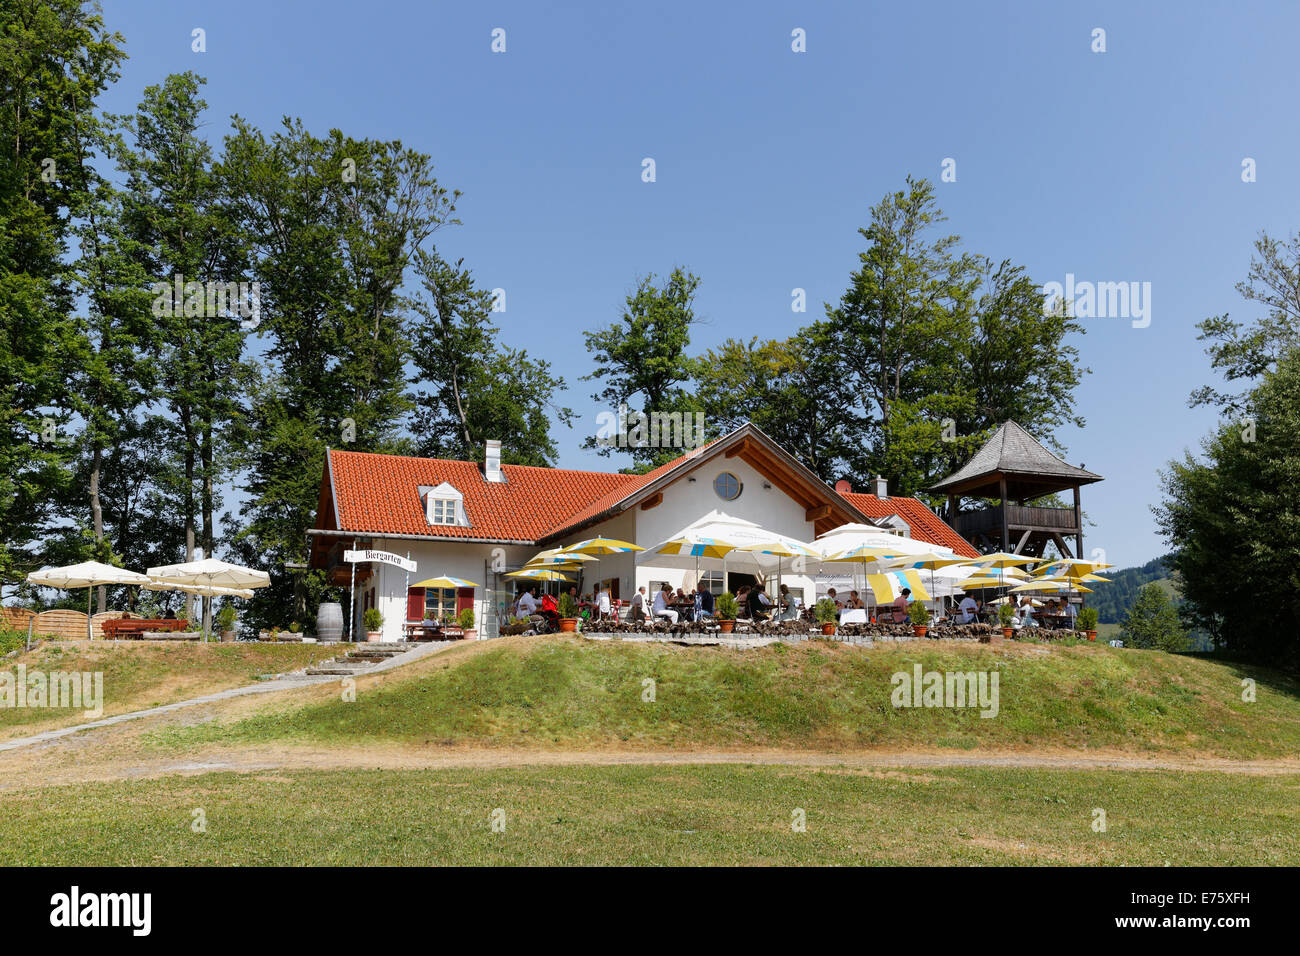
1113	599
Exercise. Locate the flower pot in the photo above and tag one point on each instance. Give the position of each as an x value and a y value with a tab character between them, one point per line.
568	624
828	629
727	626
1007	632
471	634
1092	635
227	637
373	635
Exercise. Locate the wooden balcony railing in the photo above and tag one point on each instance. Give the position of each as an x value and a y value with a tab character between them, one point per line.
986	520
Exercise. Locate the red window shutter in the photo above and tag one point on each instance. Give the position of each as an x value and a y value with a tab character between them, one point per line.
464	599
415	604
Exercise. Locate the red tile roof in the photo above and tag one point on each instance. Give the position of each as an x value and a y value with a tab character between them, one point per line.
380	493
924	523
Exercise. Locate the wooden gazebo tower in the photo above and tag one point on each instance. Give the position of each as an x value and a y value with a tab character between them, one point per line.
1014	468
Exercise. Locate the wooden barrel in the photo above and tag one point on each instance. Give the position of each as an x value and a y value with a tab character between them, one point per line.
329	622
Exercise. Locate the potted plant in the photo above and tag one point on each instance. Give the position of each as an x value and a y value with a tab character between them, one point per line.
466	619
920	616
275	634
825	613
1005	613
568	609
374	623
226	623
725	610
1087	622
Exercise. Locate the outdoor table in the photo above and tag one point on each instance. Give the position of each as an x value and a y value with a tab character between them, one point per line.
856	616
420	631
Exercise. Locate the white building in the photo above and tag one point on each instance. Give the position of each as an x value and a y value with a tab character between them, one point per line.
478	521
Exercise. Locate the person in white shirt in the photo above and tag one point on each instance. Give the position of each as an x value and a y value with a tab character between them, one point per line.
602	603
661	607
638	604
527	603
968	609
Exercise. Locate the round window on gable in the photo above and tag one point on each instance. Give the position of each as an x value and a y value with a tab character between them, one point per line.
727	486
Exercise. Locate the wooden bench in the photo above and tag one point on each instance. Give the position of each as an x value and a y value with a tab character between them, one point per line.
133	627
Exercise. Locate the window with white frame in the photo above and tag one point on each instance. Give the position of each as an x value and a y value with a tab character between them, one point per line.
713	579
442	511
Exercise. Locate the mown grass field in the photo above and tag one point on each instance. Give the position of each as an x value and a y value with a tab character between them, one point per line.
139	675
706	815
574	694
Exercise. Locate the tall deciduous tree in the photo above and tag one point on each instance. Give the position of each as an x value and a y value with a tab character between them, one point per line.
334	222
176	209
469	387
641	359
1233	518
56	58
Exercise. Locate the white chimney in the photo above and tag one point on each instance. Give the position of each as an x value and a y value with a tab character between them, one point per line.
879	487
492	462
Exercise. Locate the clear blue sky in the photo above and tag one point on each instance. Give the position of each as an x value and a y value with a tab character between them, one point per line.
1115	166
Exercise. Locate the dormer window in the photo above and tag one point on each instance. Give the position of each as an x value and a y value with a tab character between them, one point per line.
443	505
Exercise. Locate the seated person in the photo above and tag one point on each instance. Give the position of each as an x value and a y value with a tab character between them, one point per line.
703	603
662	605
602	603
1026	612
759	604
638	612
742	600
854	603
968	610
527	604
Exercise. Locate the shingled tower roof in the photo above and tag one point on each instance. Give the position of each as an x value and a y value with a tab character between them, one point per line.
1029	468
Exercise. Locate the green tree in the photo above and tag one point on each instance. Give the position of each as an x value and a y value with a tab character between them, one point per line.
1242	352
941	346
1152	622
175	209
1233	518
642	362
793	389
334	223
469	388
56	58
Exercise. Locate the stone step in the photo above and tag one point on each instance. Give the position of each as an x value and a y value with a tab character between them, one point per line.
336	669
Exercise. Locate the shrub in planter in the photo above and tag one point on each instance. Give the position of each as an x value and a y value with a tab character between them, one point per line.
568	610
226	623
1005	613
1087	622
725	610
373	622
919	615
824	612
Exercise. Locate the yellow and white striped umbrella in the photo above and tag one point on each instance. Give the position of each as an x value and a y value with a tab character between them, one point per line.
598	546
888	585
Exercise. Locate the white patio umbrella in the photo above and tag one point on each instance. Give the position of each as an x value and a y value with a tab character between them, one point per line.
210	573
87	574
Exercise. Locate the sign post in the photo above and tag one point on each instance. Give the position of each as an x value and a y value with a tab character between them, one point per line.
370	556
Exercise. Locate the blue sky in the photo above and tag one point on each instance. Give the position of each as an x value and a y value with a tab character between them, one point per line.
1115	166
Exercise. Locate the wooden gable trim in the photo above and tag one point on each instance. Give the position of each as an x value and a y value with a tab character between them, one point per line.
653	501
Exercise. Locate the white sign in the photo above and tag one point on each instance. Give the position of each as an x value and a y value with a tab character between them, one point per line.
382	557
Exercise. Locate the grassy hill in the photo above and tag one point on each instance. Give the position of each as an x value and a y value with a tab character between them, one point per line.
554	693
139	674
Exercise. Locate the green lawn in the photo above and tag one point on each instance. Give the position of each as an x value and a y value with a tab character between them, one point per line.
137	675
569	693
660	815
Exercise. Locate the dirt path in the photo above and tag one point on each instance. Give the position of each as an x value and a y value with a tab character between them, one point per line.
25	771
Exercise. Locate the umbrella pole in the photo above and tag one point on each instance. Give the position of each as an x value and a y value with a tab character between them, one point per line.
89	635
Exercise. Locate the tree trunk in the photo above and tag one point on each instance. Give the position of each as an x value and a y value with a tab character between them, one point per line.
97	511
